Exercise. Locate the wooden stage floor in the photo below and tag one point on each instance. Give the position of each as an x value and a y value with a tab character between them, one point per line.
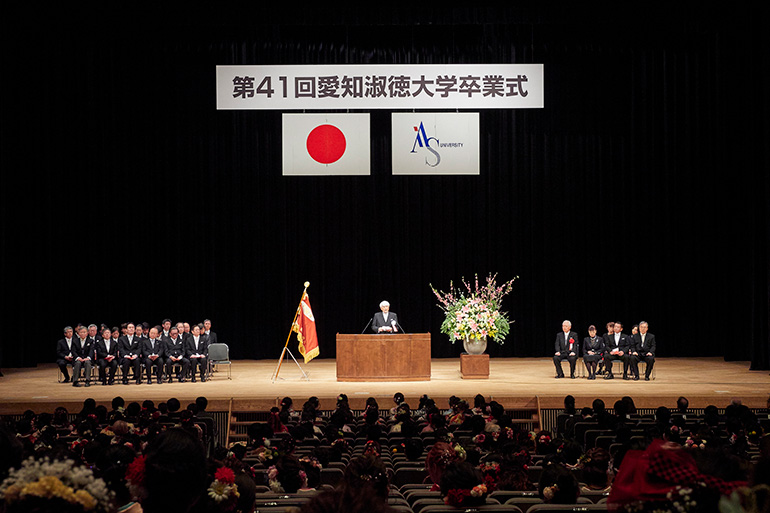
514	382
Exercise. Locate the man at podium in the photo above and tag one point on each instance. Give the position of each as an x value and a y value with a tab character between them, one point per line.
385	321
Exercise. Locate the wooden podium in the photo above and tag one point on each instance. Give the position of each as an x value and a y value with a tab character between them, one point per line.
400	357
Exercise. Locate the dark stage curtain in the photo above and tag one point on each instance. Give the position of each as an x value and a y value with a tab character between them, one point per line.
638	193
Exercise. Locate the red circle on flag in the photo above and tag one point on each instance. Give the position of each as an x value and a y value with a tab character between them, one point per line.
326	144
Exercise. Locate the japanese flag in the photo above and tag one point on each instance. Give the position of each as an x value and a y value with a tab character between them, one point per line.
325	144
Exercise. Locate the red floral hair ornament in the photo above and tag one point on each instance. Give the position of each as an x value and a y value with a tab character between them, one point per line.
135	471
225	475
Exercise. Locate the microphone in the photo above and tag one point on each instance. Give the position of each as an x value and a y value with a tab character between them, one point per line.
367	325
393	325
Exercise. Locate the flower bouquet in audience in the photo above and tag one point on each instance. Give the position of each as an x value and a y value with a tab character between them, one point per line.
474	311
55	485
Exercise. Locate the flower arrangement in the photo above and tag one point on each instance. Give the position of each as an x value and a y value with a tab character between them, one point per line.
49	480
475	311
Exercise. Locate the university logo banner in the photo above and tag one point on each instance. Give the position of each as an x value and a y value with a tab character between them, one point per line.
325	144
435	143
380	86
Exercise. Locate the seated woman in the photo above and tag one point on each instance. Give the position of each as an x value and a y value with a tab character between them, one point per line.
596	470
438	458
593	349
287	412
288	476
364	487
462	486
513	469
459	411
274	421
435	421
398	398
558	485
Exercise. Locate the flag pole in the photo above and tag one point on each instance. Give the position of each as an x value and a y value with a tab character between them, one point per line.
291	328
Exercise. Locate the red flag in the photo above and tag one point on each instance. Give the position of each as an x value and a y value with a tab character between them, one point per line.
304	326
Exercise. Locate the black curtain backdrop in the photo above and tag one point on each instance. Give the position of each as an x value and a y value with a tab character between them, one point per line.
638	193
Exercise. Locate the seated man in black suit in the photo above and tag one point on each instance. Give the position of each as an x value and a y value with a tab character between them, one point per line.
64	354
605	342
129	351
644	350
566	348
180	330
385	321
107	356
83	350
166	329
197	351
175	355
207	331
617	349
153	351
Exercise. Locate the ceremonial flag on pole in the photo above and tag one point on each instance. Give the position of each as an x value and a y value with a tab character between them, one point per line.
304	326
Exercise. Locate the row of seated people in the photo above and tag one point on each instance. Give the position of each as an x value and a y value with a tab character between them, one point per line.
596	426
159	351
166	469
600	352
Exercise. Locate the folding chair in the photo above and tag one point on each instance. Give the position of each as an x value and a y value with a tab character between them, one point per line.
219	354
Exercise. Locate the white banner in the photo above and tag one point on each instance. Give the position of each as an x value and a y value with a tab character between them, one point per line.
325	144
435	143
380	86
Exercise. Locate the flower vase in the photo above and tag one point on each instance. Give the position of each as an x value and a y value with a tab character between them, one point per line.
474	345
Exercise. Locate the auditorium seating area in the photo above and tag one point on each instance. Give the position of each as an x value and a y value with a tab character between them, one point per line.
432	458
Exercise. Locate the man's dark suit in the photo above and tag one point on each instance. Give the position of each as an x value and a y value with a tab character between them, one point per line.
62	351
642	349
624	344
128	348
102	351
82	349
212	337
176	348
202	348
379	321
152	347
565	344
